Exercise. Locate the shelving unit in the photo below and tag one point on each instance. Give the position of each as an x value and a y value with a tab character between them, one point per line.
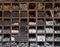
29	23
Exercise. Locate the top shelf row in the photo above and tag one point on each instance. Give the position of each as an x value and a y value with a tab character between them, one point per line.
29	0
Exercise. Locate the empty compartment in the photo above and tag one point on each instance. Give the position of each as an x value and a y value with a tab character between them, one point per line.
15	29
7	6
23	29
15	14
57	29
32	44
0	13
49	29
40	6
7	14
32	37
23	6
57	37
0	29
57	6
6	44
40	44
0	21
15	38
32	29
40	22
40	37
0	38
23	38
49	37
15	21
15	6
7	22
57	44
23	22
40	29
49	6
23	14
32	21
32	13
57	14
32	5
6	38
49	44
6	30
41	14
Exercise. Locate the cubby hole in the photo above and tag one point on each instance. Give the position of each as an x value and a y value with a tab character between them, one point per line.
40	6
1	38
57	29
56	13
49	0
23	22
32	37
7	14
32	13
40	22
23	29
49	37
6	0
32	29
32	44
23	6
7	6
14	38
40	44
32	5
15	14
0	13
23	14
48	6
23	38
57	37
15	21
57	5
0	21
56	44
15	29
7	22
23	0
6	29
49	44
0	29
40	29
41	14
6	38
1	6
15	6
14	0
32	21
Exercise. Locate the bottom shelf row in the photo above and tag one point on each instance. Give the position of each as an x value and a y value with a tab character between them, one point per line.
31	44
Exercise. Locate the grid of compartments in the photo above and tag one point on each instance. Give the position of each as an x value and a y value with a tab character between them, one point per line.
29	23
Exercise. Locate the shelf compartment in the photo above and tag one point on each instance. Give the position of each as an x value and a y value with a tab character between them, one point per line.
0	13
6	30
0	21
23	6
32	21
0	29
32	29
23	14
40	29
1	6
15	29
23	22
